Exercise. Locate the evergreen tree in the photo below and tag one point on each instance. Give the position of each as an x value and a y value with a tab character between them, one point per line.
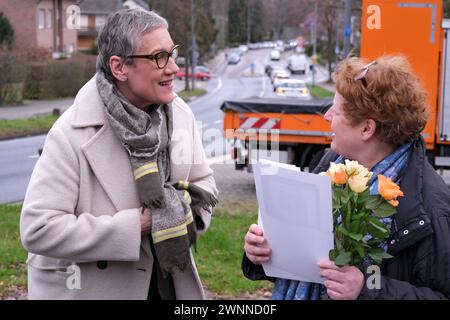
236	22
6	31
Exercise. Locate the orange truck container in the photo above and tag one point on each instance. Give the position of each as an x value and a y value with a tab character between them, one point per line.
413	29
416	30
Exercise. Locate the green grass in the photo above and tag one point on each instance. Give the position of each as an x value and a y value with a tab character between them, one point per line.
12	254
219	255
320	92
187	95
24	127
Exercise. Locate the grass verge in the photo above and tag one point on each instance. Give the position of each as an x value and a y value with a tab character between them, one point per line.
24	127
219	255
13	274
188	95
320	92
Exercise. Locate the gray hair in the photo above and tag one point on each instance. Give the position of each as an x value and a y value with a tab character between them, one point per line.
122	33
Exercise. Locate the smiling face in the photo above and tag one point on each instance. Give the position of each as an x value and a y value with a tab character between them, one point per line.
347	138
147	84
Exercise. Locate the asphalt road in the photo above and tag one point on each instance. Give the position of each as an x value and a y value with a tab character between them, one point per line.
18	157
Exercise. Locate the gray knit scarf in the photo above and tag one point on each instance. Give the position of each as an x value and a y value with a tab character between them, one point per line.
146	137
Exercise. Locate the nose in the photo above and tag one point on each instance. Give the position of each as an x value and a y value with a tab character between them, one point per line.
329	114
172	66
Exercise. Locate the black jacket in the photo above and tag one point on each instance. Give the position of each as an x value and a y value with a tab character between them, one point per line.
419	240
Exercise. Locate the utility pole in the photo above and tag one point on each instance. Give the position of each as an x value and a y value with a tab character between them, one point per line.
249	20
347	26
314	56
193	45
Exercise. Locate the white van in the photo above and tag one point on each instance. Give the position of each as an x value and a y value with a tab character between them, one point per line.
298	63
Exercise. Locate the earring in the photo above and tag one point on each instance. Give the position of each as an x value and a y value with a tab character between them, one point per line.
125	79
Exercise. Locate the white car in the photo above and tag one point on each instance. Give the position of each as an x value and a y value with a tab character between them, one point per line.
292	88
275	55
280	73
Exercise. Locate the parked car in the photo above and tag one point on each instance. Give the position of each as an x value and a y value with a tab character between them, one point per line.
292	88
275	55
201	73
234	58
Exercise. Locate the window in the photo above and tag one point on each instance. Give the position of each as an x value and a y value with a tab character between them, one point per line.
49	18
41	18
84	22
99	22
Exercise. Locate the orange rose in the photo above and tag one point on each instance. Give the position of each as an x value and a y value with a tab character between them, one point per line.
394	203
388	189
337	173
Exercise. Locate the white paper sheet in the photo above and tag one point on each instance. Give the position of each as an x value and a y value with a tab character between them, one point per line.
295	212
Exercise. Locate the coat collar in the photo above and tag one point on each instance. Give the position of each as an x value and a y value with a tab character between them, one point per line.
88	105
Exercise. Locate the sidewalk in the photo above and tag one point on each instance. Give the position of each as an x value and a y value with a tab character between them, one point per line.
32	108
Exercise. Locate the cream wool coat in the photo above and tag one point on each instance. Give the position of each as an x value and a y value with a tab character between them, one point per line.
82	207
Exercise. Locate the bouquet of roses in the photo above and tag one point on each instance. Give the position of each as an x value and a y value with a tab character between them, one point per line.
358	231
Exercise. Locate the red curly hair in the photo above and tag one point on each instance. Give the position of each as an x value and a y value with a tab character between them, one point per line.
388	92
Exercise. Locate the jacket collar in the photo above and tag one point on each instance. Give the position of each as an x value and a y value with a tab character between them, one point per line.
411	222
88	105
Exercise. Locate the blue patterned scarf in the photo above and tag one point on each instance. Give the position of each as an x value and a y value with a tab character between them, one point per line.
393	167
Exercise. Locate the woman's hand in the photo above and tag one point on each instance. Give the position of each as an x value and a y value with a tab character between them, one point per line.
146	221
343	283
254	245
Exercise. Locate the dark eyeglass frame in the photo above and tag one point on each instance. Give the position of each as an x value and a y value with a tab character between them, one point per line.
158	56
362	76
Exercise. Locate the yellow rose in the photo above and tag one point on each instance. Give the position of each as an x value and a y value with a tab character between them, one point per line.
358	183
353	167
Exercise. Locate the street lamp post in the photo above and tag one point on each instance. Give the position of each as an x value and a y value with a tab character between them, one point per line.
193	45
314	56
347	26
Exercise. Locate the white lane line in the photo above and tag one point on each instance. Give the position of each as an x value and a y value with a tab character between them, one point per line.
263	87
219	85
34	156
218	122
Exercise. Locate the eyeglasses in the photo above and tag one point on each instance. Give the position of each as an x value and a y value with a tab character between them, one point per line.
161	58
363	74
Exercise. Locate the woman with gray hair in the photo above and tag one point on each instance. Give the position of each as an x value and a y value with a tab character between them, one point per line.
122	188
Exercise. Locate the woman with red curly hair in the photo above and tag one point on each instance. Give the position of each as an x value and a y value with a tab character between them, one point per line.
379	110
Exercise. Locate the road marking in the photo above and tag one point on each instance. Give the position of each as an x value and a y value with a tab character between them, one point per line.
34	156
218	121
263	87
219	85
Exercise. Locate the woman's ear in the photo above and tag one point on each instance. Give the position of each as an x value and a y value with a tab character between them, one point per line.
118	68
368	130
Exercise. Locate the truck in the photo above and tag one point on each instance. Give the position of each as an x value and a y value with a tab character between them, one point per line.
297	63
296	131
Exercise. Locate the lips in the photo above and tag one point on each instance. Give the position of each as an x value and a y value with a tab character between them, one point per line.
166	83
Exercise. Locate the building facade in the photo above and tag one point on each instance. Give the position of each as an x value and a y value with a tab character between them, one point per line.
42	23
